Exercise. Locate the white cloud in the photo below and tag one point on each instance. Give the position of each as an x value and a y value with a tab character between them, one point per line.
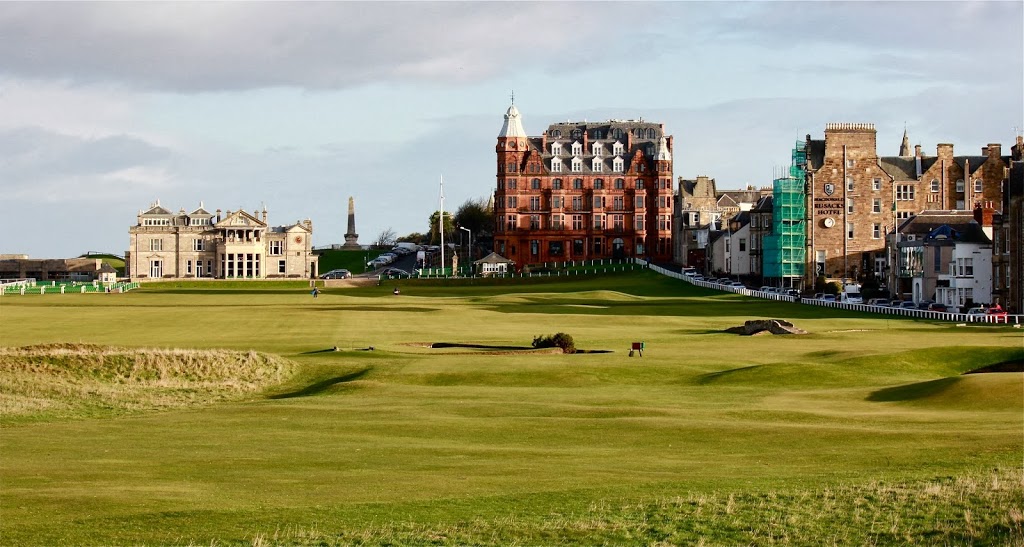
42	166
230	46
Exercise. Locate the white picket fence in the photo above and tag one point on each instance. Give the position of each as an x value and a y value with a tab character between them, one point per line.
1016	319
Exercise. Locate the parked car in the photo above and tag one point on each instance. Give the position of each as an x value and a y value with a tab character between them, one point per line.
998	315
764	288
908	305
793	292
737	285
394	272
878	301
337	274
698	277
689	272
935	306
979	310
828	298
923	305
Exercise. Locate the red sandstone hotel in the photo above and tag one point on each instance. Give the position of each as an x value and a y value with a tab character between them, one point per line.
582	191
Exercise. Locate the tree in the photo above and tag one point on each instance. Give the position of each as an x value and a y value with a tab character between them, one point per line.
449	228
414	237
475	216
386	238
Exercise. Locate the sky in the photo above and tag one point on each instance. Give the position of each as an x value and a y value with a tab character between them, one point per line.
106	108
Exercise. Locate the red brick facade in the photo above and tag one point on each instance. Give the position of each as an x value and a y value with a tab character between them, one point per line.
583	191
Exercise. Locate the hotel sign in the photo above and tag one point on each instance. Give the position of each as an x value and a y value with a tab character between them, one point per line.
829	204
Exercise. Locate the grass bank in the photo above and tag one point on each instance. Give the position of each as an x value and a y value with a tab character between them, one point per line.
863	431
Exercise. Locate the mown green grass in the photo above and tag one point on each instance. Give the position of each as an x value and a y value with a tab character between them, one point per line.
353	261
863	431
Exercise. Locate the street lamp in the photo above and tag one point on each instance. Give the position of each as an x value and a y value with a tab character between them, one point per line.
469	253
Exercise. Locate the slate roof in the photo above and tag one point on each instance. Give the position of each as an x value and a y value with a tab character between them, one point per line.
157	210
960	224
975	162
493	258
816	153
899	168
764	204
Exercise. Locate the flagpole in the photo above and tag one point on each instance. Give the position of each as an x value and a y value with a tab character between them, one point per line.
440	224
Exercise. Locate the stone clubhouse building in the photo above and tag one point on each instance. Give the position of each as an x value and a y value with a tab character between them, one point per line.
200	244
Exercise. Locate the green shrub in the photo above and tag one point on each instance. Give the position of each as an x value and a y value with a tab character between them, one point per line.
559	340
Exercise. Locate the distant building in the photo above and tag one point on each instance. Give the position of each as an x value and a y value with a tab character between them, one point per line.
699	205
56	269
200	244
945	256
760	227
855	197
583	191
1008	238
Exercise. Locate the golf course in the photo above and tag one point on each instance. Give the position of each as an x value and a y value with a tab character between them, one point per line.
253	414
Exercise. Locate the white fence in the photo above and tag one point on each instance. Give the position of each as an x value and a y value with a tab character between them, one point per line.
905	312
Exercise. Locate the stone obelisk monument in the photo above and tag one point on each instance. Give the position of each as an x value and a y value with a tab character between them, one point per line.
351	236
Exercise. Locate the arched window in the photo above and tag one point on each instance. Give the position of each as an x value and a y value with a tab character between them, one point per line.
577	184
556	184
598	184
535	184
620	184
577	133
651	133
556	133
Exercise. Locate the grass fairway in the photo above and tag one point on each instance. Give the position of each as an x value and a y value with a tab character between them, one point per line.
864	431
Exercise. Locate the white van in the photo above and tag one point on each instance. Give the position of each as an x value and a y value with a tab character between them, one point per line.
851	294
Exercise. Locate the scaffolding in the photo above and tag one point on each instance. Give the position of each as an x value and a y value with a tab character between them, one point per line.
785	249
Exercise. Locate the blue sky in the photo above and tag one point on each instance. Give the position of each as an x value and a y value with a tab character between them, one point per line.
107	107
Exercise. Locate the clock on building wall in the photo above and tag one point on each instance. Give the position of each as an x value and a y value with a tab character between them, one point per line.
298	239
829	222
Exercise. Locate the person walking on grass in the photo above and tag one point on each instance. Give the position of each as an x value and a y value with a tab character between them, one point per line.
316	292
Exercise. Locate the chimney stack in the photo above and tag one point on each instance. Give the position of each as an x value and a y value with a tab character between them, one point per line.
944	151
993	150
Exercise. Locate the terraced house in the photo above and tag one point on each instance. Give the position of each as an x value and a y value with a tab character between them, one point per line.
856	197
582	191
200	244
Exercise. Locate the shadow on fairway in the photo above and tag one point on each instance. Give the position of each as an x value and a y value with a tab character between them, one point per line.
375	308
322	385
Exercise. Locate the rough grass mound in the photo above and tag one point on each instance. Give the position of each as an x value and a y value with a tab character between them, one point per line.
69	380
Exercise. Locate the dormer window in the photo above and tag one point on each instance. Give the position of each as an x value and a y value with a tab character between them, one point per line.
597	150
618	148
577	149
556	165
618	165
597	165
556	149
556	133
651	133
577	165
577	134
